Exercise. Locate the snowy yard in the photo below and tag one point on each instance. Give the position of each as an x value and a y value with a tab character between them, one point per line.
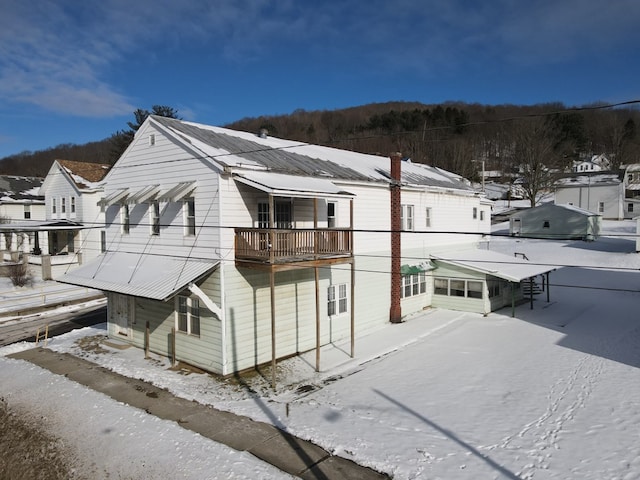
551	393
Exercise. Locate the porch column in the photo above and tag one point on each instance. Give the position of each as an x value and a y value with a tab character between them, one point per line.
531	291
36	243
316	234
548	287
271	233
26	243
3	242
14	242
513	299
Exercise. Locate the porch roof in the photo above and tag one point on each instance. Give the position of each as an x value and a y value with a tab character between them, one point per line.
283	185
496	264
157	277
40	226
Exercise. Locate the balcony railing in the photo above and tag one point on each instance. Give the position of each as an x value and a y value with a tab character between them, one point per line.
282	246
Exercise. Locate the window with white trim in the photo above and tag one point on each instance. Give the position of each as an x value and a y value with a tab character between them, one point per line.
406	217
27	211
600	207
154	216
189	209
475	212
263	215
63	205
187	315
331	214
482	215
413	284
73	205
337	299
455	287
629	208
54	207
124	218
103	241
428	217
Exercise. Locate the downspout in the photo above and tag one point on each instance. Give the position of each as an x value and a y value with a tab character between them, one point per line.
395	311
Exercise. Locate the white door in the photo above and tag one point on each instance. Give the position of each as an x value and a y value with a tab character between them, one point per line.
121	314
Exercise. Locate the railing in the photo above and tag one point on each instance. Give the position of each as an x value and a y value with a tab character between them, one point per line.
280	245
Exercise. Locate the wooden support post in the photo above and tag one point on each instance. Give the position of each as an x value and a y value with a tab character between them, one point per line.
146	340
317	278
353	307
173	346
513	300
531	291
273	329
548	287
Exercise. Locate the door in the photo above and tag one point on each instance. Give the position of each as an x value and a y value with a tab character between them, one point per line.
122	314
516	226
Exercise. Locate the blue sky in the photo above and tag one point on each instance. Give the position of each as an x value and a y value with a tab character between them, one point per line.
74	71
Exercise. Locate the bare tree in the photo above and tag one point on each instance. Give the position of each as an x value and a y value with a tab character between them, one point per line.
534	152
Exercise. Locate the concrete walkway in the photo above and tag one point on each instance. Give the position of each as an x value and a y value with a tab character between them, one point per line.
282	450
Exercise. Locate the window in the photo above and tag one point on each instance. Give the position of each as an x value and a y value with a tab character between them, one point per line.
73	205
189	217
54	207
475	212
70	242
63	205
152	139
337	299
27	212
154	216
188	315
481	215
428	217
546	224
124	218
494	288
454	287
103	241
263	215
413	284
629	208
406	217
600	207
331	215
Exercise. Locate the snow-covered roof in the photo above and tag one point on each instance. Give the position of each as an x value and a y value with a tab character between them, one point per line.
157	277
20	189
242	150
594	180
290	185
86	175
495	264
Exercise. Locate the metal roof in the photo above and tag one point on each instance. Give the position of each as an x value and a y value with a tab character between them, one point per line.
495	264
231	148
291	185
157	277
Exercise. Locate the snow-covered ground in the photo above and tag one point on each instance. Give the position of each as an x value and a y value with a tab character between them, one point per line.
551	393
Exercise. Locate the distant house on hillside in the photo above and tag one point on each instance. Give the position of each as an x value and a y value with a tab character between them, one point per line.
597	163
601	193
556	222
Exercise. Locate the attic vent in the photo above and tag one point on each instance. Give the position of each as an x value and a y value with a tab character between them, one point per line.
263	133
152	139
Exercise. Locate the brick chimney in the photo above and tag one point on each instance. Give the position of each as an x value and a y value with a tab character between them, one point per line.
395	312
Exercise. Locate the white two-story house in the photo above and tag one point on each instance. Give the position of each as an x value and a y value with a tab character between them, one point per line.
74	229
228	250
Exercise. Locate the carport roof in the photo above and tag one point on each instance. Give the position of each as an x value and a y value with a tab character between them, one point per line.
513	269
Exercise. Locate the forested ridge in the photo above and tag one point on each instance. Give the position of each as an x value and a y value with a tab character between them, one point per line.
453	136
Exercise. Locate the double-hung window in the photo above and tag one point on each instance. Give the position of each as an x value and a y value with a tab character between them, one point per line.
154	214
188	315
54	207
455	287
413	284
73	206
406	217
337	299
331	215
124	218
189	217
428	217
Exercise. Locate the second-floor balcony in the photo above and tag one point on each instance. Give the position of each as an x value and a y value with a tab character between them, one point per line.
278	246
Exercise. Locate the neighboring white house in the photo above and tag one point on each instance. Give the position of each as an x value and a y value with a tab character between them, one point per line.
227	250
21	205
556	222
597	163
74	228
601	193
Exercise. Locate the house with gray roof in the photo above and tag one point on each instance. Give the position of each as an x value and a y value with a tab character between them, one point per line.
554	221
602	193
228	250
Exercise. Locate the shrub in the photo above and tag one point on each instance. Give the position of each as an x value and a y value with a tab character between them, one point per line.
20	275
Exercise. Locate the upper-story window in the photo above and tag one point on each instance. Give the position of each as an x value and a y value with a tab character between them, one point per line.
27	211
331	214
406	217
63	205
428	217
124	218
154	215
54	207
475	212
72	205
189	207
600	207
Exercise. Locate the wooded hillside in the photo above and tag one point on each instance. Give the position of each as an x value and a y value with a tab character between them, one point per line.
449	136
